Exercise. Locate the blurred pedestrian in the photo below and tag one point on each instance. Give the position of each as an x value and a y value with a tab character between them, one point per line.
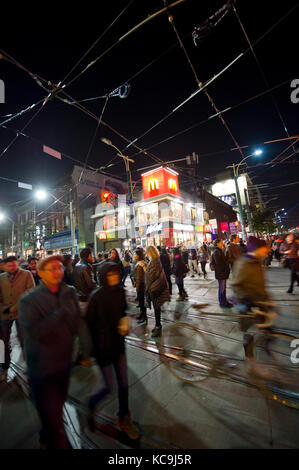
203	259
13	283
68	270
83	277
289	249
139	276
51	318
166	263
233	251
107	321
32	267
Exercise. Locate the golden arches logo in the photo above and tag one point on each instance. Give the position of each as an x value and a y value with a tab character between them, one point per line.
153	184
172	184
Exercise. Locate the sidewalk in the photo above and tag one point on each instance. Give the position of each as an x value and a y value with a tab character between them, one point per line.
215	413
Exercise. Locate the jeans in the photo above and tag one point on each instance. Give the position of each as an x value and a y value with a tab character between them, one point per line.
222	293
291	264
203	267
120	367
157	316
6	332
180	283
141	300
127	271
169	284
49	395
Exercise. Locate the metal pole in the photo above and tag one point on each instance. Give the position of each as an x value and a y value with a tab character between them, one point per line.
131	206
239	203
72	228
12	236
248	212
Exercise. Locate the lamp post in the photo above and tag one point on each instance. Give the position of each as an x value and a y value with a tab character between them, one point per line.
236	167
127	161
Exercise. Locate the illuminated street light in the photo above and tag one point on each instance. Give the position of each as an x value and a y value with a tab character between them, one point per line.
41	194
258	152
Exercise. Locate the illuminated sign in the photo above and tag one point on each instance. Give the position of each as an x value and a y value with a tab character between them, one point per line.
102	236
153	185
154	228
185	228
172	184
160	181
208	228
224	226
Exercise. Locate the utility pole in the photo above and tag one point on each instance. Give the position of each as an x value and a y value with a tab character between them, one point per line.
248	212
72	226
239	202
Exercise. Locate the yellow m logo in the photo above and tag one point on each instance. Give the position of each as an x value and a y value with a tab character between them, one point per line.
172	184
153	184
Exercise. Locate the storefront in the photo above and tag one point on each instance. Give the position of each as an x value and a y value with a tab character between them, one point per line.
60	243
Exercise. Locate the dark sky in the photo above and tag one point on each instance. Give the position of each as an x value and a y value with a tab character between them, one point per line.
50	41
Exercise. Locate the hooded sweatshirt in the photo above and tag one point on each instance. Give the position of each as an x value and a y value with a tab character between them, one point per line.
106	306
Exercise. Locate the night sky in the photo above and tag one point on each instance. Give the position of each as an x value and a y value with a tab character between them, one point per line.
49	41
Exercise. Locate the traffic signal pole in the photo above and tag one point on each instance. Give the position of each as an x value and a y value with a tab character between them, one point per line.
239	203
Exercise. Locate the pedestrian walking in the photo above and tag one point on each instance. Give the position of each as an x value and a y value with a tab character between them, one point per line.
193	263
51	318
221	267
289	249
13	283
233	251
156	287
139	277
32	267
83	277
114	258
180	270
166	263
203	259
126	261
107	321
249	289
68	270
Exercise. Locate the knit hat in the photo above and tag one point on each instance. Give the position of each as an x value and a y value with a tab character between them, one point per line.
254	243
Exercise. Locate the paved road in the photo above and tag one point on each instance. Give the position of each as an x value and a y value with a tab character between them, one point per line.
216	413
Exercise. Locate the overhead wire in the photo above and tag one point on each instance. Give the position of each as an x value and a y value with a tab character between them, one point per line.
261	70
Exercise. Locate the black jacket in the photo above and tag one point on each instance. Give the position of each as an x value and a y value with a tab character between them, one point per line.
221	265
51	322
106	306
179	267
165	261
84	281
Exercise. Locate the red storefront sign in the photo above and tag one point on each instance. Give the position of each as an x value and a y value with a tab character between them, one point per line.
160	181
102	236
224	226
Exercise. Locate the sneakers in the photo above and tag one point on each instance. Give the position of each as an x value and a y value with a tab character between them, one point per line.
290	291
3	376
157	331
127	426
185	294
180	298
141	319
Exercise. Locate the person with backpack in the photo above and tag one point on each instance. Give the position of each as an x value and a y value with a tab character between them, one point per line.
220	265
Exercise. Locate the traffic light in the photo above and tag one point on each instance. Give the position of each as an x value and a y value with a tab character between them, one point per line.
107	197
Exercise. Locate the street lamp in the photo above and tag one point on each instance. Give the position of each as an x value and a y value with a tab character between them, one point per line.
42	194
236	167
127	161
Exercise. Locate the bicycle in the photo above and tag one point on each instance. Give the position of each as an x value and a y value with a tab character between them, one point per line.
191	356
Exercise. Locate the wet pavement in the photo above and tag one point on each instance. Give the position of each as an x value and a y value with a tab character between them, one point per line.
217	413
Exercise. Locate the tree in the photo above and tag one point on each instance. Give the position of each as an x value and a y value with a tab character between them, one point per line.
263	221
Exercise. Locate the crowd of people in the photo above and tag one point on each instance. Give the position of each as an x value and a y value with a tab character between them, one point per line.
56	300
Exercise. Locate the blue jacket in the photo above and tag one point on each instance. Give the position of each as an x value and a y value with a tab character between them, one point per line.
51	322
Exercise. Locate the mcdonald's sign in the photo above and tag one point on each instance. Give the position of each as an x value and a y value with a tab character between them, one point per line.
172	184
160	181
153	185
